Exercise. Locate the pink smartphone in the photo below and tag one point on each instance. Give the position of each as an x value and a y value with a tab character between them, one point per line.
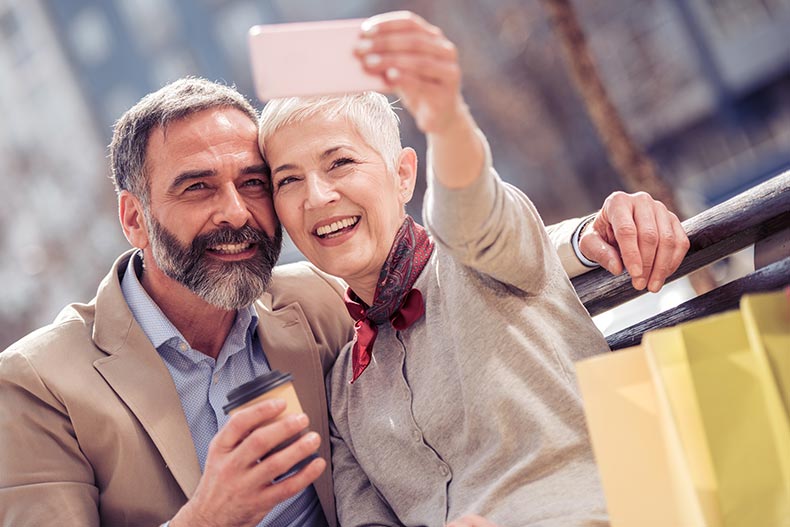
308	58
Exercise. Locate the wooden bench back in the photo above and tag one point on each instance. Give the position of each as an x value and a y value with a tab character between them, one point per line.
760	215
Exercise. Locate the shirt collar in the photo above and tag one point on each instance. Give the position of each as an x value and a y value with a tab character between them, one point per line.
158	327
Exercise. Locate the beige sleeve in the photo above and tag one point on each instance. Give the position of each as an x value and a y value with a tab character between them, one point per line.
45	478
560	235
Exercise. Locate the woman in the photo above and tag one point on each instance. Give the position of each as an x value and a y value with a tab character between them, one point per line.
457	397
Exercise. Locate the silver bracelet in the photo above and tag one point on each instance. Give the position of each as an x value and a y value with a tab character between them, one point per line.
575	242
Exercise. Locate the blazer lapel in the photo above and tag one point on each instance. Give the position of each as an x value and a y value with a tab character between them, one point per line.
290	347
140	378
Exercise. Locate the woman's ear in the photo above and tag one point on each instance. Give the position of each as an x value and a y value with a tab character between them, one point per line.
130	212
407	174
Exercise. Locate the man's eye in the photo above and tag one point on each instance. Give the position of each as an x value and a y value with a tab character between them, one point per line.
255	183
195	186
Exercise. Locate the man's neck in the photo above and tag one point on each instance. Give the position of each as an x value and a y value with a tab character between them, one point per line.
204	326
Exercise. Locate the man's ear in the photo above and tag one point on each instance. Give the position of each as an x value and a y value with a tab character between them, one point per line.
407	174
130	212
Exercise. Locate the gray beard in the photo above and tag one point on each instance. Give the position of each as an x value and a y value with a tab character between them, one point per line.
226	285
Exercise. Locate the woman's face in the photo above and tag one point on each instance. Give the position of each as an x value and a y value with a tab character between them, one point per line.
336	198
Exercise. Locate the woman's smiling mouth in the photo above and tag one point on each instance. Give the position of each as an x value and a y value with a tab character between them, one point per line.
336	228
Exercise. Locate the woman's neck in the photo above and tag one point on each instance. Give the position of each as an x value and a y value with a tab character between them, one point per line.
364	288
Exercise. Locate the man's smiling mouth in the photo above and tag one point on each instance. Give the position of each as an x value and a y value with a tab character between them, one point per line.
337	228
231	248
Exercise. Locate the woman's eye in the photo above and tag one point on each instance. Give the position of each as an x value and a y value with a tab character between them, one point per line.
341	162
285	181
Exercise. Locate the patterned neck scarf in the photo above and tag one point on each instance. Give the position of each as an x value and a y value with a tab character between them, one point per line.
394	300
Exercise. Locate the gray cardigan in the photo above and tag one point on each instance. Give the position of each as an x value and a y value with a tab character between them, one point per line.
475	408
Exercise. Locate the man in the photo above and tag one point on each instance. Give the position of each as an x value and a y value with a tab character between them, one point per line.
109	413
113	415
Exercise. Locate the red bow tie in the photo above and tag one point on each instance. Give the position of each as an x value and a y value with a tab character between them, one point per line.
409	312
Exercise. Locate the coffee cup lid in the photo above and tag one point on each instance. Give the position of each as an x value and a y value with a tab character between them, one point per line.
252	389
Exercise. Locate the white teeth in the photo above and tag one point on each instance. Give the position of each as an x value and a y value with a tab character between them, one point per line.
336	226
229	248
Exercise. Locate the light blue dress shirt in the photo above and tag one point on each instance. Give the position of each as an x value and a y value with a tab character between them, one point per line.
203	383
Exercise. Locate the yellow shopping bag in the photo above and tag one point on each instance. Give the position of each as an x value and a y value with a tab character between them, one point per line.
767	318
730	419
691	429
636	444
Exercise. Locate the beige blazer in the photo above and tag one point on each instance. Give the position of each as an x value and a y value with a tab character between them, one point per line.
91	427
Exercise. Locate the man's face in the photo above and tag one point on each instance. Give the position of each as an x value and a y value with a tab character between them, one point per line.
210	223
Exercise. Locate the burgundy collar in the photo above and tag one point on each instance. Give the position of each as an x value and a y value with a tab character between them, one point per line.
394	301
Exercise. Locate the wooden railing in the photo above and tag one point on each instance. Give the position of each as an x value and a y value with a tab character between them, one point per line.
758	214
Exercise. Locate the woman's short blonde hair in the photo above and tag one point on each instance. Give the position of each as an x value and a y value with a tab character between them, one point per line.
370	113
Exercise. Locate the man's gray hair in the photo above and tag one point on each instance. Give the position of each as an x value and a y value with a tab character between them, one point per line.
174	101
370	113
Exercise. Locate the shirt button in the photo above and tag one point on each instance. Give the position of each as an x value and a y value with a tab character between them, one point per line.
216	378
183	346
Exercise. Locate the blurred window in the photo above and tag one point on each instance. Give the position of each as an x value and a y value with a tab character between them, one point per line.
231	27
321	9
13	37
171	65
90	36
117	100
153	23
734	17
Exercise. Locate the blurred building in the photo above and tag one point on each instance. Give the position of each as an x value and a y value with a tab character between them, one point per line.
56	219
703	85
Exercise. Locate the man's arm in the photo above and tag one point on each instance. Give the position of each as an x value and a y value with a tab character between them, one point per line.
35	487
561	235
631	232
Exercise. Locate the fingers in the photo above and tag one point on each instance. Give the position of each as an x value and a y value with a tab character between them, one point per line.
419	64
407	44
618	212
397	21
647	237
245	421
263	440
593	245
424	44
673	245
267	474
281	491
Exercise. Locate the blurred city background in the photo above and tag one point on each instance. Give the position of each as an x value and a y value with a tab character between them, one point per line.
703	86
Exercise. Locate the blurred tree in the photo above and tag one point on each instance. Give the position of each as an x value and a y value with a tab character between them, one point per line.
636	169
